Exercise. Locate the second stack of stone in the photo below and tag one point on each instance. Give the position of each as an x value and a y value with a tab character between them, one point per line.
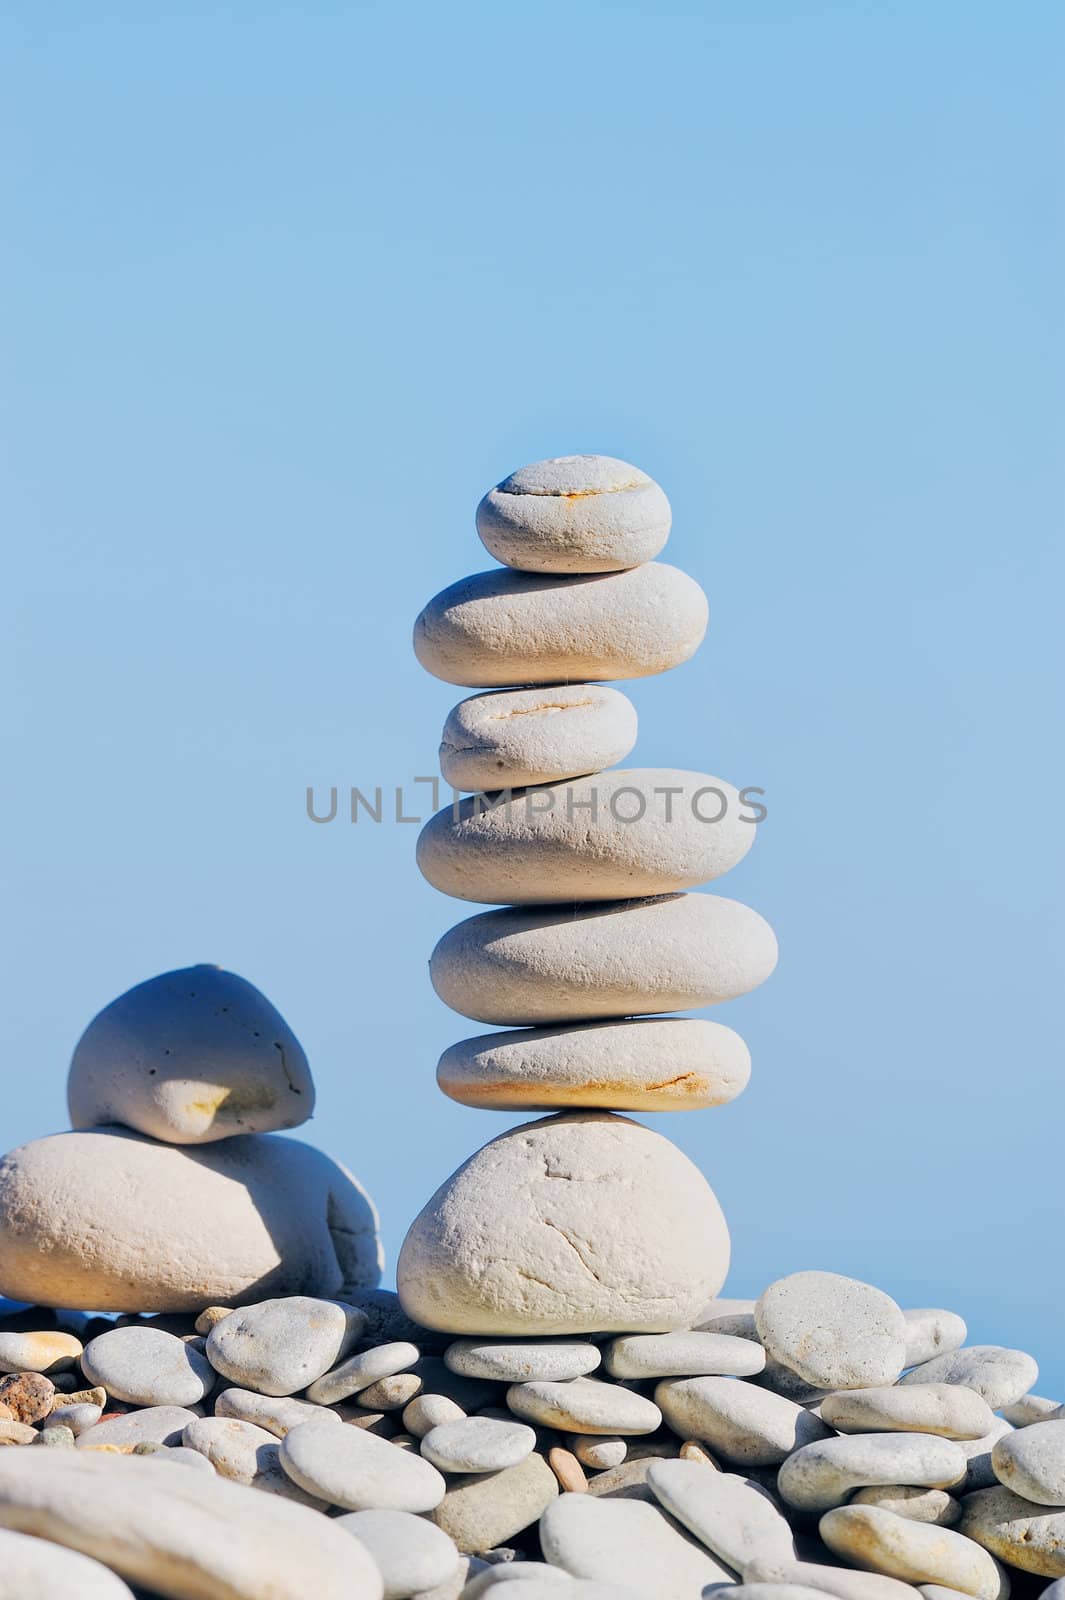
584	1221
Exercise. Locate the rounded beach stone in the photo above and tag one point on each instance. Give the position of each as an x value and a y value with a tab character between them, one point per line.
999	1375
152	1425
522	1361
617	835
362	1370
186	1533
920	1505
37	1569
90	1220
835	1332
478	1444
585	1405
627	1542
245	1453
189	1057
682	1355
276	1413
391	1394
575	1224
428	1411
944	1408
410	1553
931	1332
483	1511
147	1367
279	1346
741	1423
27	1396
542	965
510	738
1017	1531
736	1520
821	1475
495	629
1031	1462
598	1454
355	1469
38	1352
644	1064
842	1582
77	1417
912	1551
575	514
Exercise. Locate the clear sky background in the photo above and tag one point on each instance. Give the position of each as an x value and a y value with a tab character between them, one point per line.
287	287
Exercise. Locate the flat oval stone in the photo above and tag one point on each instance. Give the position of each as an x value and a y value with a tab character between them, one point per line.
682	1355
575	514
574	1224
943	1408
510	738
627	1542
478	1444
83	1216
585	1405
912	1551
189	1057
522	1360
822	1474
1031	1462
835	1332
495	629
1015	1530
186	1533
643	1064
482	1511
153	1425
750	1426
38	1352
276	1413
735	1519
362	1370
920	1505
839	1581
278	1346
148	1367
36	1569
999	1375
539	965
246	1454
410	1553
355	1469
616	835
931	1332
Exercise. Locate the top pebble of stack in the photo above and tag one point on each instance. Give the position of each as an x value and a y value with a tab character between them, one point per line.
575	514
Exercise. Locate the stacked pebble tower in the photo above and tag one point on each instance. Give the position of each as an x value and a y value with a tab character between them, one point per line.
584	1222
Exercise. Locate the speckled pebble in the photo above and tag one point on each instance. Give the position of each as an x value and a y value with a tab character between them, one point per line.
835	1332
1017	1531
27	1395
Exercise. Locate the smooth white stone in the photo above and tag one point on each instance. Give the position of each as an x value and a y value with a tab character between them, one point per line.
37	1569
841	1582
153	1425
912	1551
522	1361
944	1408
510	738
278	1346
147	1367
835	1332
276	1413
411	1554
361	1370
245	1453
575	1224
735	1519
478	1444
1000	1375
931	1332
428	1411
189	1057
1032	1408
582	513
189	1533
821	1475
585	1405
920	1505
1031	1462
749	1426
353	1468
682	1355
627	1542
483	1511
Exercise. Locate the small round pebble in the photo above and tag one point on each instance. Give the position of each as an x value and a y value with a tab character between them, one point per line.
77	1418
512	738
361	1370
428	1411
522	1361
478	1444
683	1355
1001	1376
282	1345
411	1554
55	1435
912	1551
835	1332
822	1475
352	1468
147	1367
948	1409
1031	1462
585	1405
209	1316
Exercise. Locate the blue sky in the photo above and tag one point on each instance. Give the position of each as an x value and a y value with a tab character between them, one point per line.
288	287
